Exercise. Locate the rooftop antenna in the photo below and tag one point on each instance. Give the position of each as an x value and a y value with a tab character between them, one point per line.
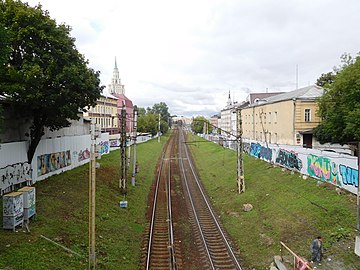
297	76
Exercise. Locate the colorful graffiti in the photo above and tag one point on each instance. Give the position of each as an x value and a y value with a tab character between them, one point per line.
114	143
323	169
289	159
15	174
104	147
83	155
259	151
349	175
52	162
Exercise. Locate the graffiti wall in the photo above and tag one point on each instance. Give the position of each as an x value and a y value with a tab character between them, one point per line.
52	156
52	162
14	174
337	169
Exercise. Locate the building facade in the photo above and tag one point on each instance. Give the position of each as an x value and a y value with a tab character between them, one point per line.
105	113
287	118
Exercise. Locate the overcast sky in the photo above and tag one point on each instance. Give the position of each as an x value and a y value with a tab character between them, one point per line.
191	53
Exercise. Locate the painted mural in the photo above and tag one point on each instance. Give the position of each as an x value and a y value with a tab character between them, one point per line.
322	168
14	174
52	162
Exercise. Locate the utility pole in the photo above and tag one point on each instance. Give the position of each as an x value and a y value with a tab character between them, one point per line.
123	167
134	140
159	129
240	161
94	133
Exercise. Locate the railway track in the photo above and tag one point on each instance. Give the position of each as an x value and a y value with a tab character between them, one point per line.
160	252
213	244
162	248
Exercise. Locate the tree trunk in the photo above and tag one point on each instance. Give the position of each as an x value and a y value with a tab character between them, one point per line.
36	132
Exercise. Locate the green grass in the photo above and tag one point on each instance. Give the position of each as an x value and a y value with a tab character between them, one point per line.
286	208
62	208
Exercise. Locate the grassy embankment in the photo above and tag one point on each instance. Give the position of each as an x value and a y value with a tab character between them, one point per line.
62	207
286	208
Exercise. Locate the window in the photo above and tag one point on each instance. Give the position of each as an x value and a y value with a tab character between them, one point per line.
269	117
307	115
275	117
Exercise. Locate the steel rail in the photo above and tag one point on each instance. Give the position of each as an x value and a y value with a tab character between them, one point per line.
193	206
210	209
172	260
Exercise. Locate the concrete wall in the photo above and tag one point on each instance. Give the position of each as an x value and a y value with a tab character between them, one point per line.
341	170
52	156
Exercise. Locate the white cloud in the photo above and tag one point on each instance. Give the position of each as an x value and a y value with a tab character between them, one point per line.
189	54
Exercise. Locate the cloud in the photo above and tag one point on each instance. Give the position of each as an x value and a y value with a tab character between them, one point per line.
189	54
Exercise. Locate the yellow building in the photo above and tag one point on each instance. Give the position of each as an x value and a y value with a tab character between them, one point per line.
287	118
105	113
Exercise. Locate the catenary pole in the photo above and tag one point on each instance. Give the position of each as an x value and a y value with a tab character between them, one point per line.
133	181
240	161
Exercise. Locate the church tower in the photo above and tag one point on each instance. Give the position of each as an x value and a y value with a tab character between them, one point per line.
116	87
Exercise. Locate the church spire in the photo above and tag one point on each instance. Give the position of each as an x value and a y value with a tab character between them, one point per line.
116	87
229	102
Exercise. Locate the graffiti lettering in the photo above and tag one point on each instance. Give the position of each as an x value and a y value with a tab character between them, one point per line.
83	155
259	151
323	169
349	175
114	143
289	159
51	162
14	174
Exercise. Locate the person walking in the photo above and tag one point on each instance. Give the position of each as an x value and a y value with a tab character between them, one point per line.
316	250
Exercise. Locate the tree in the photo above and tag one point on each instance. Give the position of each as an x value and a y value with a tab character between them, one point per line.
339	107
44	77
4	52
148	120
197	124
162	109
326	79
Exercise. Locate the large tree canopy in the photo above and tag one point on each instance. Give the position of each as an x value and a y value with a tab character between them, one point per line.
44	76
339	107
197	125
148	120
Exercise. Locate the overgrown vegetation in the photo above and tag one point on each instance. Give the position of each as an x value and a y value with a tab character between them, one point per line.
62	207
339	107
286	208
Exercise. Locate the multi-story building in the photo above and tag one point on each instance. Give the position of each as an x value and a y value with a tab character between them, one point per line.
105	113
287	118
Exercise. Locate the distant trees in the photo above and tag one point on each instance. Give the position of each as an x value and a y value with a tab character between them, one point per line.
339	107
197	125
148	120
43	76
